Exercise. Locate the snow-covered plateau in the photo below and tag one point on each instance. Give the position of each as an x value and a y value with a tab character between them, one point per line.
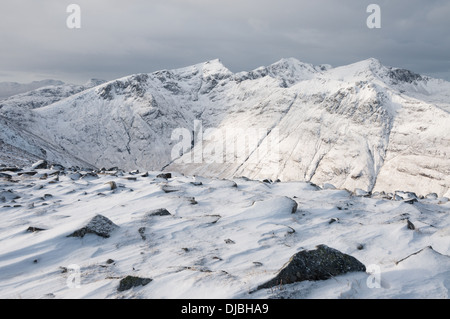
288	181
67	233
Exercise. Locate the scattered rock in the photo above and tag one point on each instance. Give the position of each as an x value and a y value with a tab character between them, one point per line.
75	176
8	195
410	201
33	229
10	169
197	183
333	220
213	218
361	193
99	225
293	205
432	196
42	164
159	212
164	175
5	176
112	184
57	167
142	233
27	173
89	175
319	264
169	189
192	200
229	241
130	281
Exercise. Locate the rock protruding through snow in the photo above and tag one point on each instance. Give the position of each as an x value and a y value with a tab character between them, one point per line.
319	264
99	225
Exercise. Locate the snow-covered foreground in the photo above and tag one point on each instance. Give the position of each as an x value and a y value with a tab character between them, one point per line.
222	239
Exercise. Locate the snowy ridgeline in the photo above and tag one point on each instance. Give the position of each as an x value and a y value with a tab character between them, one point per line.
360	126
70	233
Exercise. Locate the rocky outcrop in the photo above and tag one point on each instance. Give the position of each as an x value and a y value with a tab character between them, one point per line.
319	264
98	225
130	281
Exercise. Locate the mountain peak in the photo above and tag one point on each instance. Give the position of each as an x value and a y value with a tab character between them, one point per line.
213	67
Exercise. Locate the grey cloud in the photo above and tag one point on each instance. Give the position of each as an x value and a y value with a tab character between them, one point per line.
118	38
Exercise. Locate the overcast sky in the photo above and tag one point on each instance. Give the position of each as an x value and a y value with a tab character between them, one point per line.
119	38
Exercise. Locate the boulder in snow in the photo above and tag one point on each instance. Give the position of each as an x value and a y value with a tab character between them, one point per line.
99	225
131	281
319	264
159	212
42	164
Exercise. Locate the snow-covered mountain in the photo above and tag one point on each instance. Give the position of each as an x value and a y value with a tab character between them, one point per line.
361	126
19	145
8	89
47	94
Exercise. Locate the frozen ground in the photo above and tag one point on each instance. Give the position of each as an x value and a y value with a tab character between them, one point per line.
222	238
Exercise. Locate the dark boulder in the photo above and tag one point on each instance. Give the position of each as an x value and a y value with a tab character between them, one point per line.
319	264
130	281
164	175
99	225
42	164
33	229
159	212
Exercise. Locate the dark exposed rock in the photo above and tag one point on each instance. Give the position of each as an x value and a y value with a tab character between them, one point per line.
402	75
432	196
57	167
10	169
142	233
89	175
319	264
112	184
192	200
109	261
229	241
410	225
99	225
33	229
197	183
6	176
293	206
169	189
130	281
164	175
410	201
333	220
42	164
159	212
27	173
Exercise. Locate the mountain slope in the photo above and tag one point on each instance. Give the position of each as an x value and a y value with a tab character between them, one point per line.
361	126
8	89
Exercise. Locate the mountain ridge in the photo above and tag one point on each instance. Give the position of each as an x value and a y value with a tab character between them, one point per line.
361	126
